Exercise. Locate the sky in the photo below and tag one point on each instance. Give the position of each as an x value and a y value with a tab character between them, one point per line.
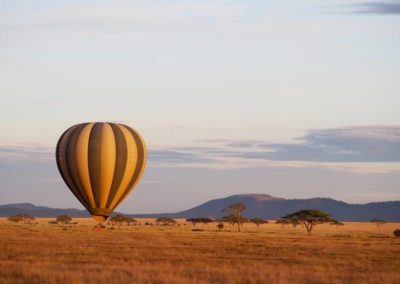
295	99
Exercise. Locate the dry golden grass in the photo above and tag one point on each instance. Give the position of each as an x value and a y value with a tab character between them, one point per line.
44	253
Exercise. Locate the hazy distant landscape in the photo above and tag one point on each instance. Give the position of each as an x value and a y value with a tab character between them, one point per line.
259	205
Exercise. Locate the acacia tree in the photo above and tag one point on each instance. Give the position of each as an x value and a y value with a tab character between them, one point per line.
165	221
130	220
309	218
283	223
378	223
228	219
258	221
120	219
235	210
203	220
294	223
337	224
194	221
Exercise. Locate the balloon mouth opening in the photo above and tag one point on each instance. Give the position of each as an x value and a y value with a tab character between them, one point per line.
100	214
100	218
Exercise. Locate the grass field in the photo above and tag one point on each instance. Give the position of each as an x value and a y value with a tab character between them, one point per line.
45	253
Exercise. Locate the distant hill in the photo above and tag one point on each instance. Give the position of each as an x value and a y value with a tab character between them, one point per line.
39	211
258	205
269	207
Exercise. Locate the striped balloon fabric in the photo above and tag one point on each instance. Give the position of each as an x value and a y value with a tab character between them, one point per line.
101	163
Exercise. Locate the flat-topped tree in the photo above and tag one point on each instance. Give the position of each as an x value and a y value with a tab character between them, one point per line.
309	218
131	220
120	219
165	221
337	224
258	221
235	210
203	220
194	221
378	223
283	223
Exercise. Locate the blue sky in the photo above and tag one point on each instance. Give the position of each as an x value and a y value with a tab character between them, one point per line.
290	98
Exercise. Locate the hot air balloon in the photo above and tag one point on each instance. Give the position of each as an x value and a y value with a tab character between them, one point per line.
101	163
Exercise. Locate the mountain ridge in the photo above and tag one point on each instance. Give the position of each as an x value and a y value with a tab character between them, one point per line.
258	205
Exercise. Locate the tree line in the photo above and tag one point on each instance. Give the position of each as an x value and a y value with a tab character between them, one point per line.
307	218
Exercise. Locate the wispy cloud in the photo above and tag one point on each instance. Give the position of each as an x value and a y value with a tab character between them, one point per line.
366	149
124	15
180	156
24	151
351	144
362	150
378	7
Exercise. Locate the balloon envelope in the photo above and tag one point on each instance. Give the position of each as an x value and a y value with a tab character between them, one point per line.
101	163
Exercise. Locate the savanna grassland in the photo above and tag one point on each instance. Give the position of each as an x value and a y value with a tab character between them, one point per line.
75	253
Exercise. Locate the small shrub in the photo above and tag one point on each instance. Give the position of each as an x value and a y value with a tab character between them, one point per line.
26	218
14	219
396	233
63	219
198	230
220	226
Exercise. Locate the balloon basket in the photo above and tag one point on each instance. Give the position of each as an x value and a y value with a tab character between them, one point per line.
99	227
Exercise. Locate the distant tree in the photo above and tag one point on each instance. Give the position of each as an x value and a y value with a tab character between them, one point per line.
220	226
337	224
378	223
230	219
165	221
14	219
194	221
309	218
117	219
26	218
203	220
235	210
121	219
294	223
396	233
233	221
130	220
63	219
283	223
258	221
